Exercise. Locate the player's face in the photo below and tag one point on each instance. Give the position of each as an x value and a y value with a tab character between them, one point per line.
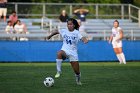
70	25
116	24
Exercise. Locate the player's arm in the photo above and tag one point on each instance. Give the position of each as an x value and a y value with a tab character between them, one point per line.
52	34
110	39
84	39
121	35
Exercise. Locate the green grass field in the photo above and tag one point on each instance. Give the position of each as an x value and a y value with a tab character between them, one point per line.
98	77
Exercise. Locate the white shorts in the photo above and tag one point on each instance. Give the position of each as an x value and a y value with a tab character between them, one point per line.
72	56
116	44
3	11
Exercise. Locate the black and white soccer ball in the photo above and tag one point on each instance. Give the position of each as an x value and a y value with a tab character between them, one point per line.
49	82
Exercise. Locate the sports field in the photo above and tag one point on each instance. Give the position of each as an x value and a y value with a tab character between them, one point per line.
97	77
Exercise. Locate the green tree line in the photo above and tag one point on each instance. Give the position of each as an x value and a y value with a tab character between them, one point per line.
135	2
70	1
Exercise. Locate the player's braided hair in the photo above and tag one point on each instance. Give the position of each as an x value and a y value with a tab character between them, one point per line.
74	21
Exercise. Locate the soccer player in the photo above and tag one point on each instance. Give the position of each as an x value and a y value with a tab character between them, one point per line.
116	39
70	36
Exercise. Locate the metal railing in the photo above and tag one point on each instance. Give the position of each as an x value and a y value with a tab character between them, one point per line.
53	10
134	13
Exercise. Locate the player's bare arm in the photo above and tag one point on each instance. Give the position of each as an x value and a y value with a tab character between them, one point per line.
84	39
110	39
52	34
121	34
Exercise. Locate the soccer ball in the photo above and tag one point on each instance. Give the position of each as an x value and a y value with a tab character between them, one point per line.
49	82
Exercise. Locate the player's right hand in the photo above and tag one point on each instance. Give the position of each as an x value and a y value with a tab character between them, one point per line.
48	37
109	42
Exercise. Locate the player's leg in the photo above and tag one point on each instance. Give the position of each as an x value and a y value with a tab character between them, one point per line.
75	66
117	52
122	55
61	55
120	52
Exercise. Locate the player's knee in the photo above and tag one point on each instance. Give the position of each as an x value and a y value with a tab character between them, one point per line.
59	55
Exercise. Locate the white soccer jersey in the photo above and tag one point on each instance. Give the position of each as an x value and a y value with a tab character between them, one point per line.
70	41
116	34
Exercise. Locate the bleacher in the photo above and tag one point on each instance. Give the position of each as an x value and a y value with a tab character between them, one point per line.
101	28
96	29
35	31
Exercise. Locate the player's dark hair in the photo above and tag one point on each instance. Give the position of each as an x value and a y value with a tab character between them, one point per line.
117	21
74	21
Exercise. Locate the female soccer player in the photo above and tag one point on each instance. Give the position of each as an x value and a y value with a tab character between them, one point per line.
116	38
70	36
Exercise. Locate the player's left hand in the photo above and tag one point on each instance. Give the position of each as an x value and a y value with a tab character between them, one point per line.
117	40
85	41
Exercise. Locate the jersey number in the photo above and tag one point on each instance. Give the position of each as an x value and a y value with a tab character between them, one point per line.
68	41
